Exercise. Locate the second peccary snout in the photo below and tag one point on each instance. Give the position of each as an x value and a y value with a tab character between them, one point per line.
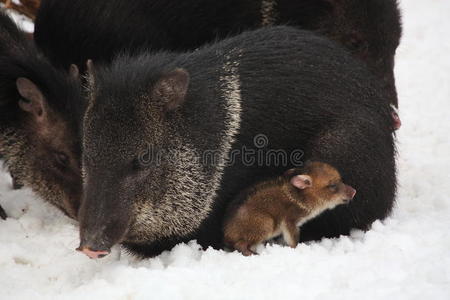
299	90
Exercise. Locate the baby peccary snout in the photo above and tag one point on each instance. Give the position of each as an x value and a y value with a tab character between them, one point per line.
280	206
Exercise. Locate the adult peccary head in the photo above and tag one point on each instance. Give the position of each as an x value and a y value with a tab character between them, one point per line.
151	119
40	109
370	30
70	32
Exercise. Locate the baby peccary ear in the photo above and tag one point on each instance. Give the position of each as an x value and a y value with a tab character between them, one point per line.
33	100
301	181
172	88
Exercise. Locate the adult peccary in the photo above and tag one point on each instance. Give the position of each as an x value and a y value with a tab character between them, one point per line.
71	31
40	109
299	90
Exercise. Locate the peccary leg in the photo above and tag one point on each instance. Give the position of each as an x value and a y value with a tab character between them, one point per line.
16	184
2	213
244	248
291	234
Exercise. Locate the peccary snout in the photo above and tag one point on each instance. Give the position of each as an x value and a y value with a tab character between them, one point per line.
351	192
93	254
104	218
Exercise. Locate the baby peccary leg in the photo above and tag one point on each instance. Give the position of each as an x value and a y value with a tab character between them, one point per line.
2	213
244	248
291	234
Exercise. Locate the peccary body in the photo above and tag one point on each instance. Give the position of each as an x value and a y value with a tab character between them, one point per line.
299	92
74	31
279	206
40	110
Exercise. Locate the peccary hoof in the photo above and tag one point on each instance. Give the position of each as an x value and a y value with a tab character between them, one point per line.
2	213
16	185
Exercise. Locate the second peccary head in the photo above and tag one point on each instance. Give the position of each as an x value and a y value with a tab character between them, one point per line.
371	30
39	116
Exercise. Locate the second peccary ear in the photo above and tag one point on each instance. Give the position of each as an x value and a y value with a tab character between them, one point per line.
301	181
172	88
33	101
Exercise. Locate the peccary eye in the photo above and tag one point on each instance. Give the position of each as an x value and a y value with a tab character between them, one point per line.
137	164
333	187
61	158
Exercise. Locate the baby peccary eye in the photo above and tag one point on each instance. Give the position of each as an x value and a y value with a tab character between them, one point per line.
333	187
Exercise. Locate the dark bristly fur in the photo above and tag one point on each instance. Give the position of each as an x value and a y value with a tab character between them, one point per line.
300	90
31	151
71	31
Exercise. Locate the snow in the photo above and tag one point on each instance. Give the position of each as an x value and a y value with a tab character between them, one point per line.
406	256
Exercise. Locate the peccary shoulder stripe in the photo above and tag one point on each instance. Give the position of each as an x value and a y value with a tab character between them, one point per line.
193	187
268	12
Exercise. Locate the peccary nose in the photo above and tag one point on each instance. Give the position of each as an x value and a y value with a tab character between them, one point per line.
93	254
397	123
351	192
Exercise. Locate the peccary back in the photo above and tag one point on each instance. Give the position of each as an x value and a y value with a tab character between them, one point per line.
74	31
272	89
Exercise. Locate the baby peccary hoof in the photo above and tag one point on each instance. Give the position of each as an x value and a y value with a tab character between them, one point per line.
244	248
2	213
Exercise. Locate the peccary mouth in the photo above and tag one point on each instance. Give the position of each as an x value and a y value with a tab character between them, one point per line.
93	254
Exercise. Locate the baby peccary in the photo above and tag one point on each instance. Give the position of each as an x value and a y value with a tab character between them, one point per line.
281	205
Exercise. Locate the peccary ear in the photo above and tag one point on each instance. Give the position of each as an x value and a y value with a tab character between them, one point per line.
172	88
74	72
90	73
289	172
33	101
301	181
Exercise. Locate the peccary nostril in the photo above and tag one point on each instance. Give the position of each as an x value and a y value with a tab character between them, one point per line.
352	192
93	254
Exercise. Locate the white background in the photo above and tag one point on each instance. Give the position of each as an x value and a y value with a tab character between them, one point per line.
406	256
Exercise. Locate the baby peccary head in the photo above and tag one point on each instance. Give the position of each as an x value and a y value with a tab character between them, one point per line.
319	186
280	206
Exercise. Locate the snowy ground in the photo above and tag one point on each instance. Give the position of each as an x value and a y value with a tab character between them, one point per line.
405	257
